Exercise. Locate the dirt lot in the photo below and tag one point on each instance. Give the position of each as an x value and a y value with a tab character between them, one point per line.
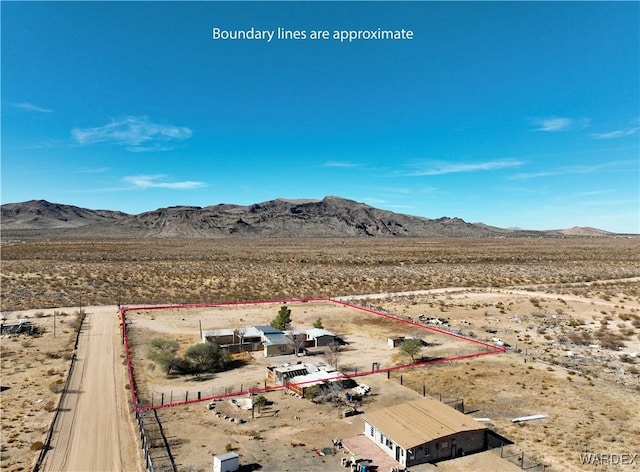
542	369
365	334
570	308
572	356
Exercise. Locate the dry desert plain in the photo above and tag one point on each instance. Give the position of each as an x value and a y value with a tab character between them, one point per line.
568	308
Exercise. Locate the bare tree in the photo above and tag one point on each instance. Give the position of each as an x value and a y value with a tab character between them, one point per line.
298	339
332	354
240	333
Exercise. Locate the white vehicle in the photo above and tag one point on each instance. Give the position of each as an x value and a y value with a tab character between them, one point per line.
362	389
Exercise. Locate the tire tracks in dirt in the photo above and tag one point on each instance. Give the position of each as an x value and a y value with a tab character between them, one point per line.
94	431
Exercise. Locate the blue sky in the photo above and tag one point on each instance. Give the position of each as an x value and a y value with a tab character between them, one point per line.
510	114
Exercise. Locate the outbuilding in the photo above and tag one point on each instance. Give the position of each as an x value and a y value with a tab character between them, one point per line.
318	337
229	462
424	430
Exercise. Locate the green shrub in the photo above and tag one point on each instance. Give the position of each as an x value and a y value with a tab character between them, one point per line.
36	446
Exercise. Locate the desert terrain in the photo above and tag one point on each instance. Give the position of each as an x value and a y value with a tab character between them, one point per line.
40	274
94	428
568	309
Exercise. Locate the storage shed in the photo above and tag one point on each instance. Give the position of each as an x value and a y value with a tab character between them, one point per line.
318	337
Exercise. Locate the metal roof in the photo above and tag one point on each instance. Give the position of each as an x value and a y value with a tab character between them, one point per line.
317	332
252	332
268	334
279	338
219	332
421	421
316	378
266	329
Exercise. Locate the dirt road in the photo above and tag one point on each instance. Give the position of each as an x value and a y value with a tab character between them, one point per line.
95	430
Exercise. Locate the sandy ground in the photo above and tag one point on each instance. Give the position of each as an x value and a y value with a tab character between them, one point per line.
95	429
291	439
544	373
588	391
365	333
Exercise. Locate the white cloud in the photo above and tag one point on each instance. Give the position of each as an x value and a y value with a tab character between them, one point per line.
553	124
613	165
593	193
619	133
439	168
31	107
338	164
137	134
543	173
159	181
558	123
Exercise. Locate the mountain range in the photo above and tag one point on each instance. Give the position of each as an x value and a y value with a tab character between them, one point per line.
329	217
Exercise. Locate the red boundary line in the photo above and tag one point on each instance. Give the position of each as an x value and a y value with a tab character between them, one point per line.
132	383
